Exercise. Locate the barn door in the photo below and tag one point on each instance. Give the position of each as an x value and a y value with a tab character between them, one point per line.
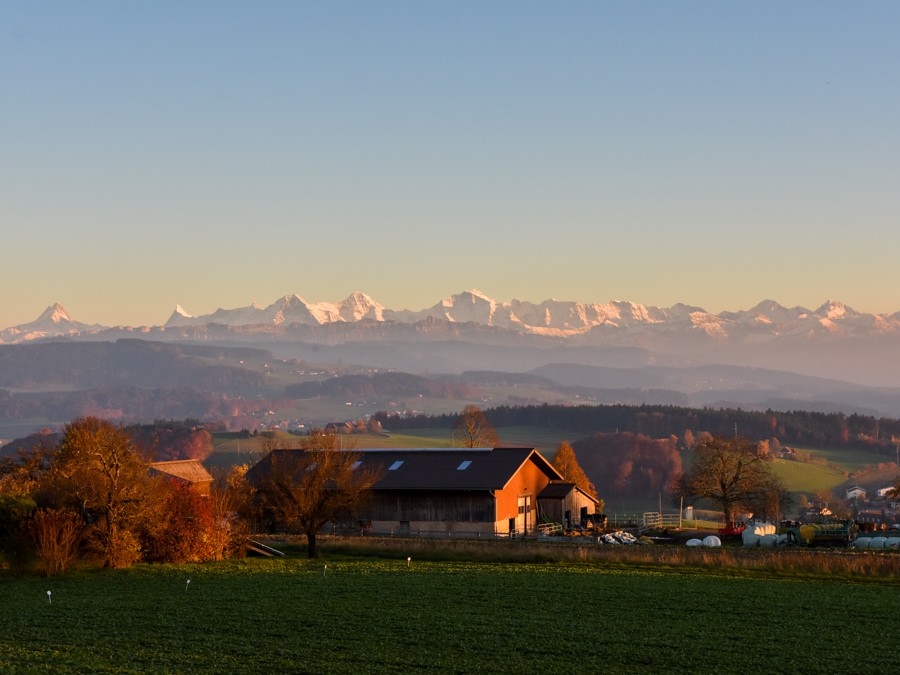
523	522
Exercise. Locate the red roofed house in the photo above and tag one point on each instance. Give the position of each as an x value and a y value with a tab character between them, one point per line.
189	471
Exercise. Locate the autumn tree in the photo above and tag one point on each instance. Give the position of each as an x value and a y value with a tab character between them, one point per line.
567	464
730	474
99	472
320	482
472	429
19	478
234	500
187	529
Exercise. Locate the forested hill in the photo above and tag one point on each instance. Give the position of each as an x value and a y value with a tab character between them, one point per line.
795	427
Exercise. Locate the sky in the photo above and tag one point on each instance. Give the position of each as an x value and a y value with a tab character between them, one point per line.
215	154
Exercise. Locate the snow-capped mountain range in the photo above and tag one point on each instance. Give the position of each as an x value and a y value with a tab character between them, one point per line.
551	318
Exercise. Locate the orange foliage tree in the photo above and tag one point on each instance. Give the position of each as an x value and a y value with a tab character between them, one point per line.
567	464
187	528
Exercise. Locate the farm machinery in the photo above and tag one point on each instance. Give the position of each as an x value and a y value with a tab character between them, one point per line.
829	533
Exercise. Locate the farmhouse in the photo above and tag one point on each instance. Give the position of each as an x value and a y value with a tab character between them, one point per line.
464	491
855	492
188	471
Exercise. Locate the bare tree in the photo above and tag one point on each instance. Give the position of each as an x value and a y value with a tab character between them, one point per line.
473	430
731	474
56	533
319	482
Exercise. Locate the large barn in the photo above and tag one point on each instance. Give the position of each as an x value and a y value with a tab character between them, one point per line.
466	491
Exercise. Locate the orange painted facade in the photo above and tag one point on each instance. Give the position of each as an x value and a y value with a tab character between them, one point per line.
521	491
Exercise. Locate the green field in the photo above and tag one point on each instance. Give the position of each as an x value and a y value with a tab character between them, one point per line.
229	446
291	615
807	478
849	459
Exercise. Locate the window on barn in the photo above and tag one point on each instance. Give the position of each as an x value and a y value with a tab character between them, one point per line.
396	465
464	465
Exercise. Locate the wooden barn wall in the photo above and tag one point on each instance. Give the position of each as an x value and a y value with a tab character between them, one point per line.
437	507
554	510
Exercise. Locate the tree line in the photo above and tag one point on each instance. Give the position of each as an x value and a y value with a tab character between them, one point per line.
863	432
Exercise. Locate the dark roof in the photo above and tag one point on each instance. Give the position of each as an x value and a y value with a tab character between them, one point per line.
443	468
561	490
557	490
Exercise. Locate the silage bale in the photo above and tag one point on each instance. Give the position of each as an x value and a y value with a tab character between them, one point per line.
781	539
712	541
750	538
768	540
862	543
892	542
762	529
877	542
693	542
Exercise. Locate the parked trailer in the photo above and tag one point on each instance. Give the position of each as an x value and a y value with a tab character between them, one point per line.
835	533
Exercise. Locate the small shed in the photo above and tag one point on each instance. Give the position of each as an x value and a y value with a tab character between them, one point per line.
566	503
189	471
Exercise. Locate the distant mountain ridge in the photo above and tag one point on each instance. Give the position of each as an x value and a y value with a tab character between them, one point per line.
550	318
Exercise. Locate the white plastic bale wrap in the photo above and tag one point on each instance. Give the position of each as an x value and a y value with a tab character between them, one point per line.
768	540
892	542
877	542
694	542
749	538
761	529
712	541
862	543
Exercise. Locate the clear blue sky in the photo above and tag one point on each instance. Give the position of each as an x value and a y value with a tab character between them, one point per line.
214	154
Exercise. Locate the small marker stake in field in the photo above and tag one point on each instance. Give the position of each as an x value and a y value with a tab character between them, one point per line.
187	585
324	569
409	561
49	598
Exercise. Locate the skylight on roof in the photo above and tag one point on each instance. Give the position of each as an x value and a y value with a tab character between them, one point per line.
396	465
464	465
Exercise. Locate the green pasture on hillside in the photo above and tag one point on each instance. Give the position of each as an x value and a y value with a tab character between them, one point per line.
850	459
294	615
807	478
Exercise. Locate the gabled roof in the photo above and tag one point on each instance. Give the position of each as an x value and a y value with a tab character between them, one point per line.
443	468
561	490
190	470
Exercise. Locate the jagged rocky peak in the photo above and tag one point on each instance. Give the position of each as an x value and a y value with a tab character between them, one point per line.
833	309
55	313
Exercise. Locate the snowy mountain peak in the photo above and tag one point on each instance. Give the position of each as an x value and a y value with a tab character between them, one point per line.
617	319
832	309
359	306
54	314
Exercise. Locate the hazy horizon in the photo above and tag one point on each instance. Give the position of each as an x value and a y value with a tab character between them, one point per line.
216	154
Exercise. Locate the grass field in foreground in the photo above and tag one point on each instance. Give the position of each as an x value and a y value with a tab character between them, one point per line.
291	615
